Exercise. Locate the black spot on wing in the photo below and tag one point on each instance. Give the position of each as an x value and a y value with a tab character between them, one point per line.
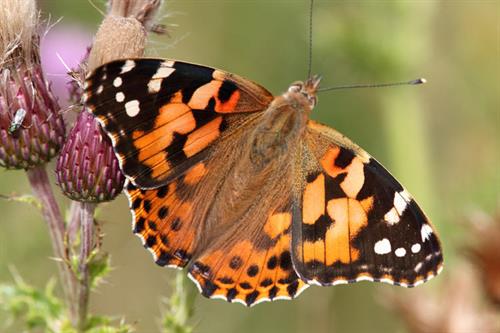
253	270
203	117
231	294
226	90
164	259
235	262
344	158
332	187
316	231
251	297
162	192
312	176
187	78
292	288
175	154
272	262
150	241
162	212
152	225
139	225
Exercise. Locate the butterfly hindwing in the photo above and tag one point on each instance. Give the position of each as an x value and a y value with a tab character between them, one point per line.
356	221
250	270
162	115
164	222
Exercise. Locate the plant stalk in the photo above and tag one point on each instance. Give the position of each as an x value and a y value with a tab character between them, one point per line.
40	184
87	244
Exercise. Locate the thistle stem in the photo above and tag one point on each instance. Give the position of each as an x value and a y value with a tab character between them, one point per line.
87	243
40	184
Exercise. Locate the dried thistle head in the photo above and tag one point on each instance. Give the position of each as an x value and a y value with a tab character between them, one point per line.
31	127
19	40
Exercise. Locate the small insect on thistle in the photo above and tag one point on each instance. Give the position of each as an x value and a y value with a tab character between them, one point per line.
17	121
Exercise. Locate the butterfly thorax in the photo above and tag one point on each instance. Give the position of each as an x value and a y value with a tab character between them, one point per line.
265	155
282	124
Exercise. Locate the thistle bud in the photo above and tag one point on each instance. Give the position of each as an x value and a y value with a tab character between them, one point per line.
31	127
87	169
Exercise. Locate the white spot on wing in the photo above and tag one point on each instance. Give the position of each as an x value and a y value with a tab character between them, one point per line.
117	82
383	246
154	84
425	232
415	248
400	252
120	97
100	89
127	66
132	108
399	202
168	63
163	72
418	267
405	195
392	216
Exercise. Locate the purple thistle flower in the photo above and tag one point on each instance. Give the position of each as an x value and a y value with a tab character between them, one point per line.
87	169
31	129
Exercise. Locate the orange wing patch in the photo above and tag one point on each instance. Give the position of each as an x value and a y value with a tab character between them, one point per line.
164	223
313	202
225	102
250	271
202	137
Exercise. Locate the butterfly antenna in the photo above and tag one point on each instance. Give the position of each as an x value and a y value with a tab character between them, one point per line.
310	38
377	85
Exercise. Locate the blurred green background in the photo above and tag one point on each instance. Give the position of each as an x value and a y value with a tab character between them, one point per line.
441	140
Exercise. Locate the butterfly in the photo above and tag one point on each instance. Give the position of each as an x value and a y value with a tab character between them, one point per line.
255	199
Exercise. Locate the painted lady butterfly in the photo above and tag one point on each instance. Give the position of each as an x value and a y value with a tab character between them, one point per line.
240	186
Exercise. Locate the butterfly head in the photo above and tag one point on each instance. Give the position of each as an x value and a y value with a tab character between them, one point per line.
307	88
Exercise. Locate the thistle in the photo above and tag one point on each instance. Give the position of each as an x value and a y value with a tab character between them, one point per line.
31	128
87	169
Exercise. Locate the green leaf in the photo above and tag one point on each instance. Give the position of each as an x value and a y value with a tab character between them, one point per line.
37	309
99	267
103	324
179	307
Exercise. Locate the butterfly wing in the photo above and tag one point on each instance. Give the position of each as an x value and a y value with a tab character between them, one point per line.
251	262
356	221
163	116
240	256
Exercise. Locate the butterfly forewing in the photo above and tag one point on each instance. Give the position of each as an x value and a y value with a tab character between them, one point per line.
356	222
163	115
